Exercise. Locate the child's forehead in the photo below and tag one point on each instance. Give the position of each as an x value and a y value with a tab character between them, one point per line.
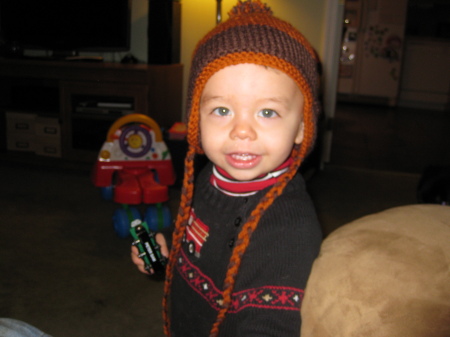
251	65
261	74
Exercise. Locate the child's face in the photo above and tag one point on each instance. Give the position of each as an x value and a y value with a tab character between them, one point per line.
250	118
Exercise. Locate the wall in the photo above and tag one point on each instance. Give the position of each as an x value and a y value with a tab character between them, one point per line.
138	46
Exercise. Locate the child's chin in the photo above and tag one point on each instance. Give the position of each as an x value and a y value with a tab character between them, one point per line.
243	175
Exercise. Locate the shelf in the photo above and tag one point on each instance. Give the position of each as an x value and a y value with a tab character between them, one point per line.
59	89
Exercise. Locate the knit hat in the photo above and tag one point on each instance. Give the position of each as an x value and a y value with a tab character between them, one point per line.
251	35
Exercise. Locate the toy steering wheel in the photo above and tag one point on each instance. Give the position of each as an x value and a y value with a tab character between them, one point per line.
135	119
135	140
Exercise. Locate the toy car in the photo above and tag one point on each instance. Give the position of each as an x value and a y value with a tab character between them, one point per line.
149	251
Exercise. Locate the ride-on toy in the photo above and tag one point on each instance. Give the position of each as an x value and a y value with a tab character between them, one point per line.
134	167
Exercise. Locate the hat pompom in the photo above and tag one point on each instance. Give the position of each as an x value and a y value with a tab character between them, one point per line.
249	7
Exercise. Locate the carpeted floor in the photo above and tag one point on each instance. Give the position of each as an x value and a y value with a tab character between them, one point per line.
63	268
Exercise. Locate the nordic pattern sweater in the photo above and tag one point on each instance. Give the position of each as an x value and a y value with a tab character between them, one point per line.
269	286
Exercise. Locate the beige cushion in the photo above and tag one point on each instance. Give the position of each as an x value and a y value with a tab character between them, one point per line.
385	275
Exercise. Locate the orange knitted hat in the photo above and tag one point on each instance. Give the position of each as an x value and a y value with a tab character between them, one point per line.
251	35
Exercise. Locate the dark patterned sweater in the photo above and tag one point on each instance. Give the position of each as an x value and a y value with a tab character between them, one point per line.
272	277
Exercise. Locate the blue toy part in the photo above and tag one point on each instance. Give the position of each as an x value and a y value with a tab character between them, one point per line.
122	219
158	217
107	192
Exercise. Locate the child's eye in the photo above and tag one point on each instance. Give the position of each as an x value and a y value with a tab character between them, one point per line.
268	113
221	111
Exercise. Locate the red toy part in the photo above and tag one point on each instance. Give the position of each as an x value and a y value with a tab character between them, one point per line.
103	172
135	189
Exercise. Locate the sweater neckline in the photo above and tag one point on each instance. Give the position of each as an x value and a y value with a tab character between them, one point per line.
221	180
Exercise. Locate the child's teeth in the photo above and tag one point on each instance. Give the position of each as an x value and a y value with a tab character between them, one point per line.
243	156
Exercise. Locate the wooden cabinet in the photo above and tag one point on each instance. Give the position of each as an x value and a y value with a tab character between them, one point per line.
425	83
70	91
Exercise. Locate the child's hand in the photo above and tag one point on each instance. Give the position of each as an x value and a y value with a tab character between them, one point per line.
140	263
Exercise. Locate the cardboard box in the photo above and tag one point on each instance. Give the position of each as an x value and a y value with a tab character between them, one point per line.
20	142
32	133
20	123
47	127
47	146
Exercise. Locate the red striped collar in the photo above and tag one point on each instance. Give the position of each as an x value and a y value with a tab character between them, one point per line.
221	180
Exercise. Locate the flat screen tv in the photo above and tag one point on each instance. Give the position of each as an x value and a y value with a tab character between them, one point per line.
66	27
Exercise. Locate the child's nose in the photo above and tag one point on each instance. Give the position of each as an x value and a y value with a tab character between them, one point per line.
243	129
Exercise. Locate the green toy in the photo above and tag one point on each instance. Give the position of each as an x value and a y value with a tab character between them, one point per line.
148	248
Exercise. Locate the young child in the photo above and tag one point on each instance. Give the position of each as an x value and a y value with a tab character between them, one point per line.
246	235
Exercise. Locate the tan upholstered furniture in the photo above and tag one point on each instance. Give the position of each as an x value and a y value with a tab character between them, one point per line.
384	275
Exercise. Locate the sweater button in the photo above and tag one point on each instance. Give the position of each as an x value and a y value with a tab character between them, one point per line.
231	243
237	221
191	247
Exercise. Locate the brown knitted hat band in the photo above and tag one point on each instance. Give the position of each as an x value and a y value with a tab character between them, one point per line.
258	39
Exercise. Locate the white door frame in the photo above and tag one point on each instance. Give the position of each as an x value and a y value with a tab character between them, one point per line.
334	18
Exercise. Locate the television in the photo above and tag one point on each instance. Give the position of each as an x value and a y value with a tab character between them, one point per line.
65	27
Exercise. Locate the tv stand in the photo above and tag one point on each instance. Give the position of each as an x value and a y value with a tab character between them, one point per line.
57	89
84	58
58	58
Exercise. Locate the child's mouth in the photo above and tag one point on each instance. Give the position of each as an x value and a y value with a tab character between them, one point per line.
243	160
